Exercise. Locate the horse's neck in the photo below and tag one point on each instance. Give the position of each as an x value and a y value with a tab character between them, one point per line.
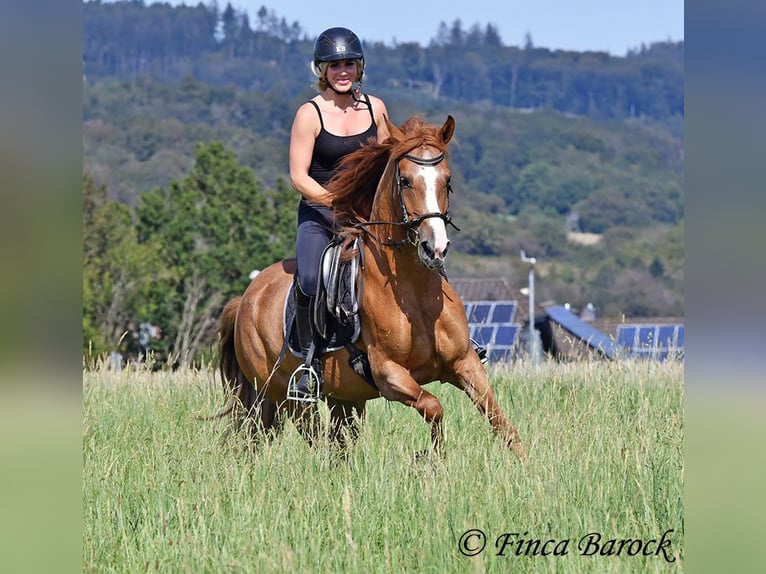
399	270
385	208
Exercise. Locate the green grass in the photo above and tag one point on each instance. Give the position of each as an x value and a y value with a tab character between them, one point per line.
165	492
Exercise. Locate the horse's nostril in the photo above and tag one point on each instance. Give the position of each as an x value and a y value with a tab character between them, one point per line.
428	249
446	248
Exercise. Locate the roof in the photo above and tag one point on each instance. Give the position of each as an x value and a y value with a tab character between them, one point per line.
484	289
494	289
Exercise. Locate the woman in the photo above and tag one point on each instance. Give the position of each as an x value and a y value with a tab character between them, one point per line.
334	123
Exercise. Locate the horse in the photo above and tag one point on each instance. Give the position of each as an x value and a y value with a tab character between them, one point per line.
394	196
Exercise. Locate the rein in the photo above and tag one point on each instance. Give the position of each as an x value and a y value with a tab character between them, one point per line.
411	224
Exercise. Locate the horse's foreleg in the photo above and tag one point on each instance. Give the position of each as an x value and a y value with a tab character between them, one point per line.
396	384
475	383
432	411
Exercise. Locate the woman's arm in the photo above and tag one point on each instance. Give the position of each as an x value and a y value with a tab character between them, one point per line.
302	137
380	113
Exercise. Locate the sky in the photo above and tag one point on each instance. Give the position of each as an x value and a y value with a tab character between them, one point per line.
612	26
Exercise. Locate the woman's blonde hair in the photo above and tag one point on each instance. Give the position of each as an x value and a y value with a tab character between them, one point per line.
320	71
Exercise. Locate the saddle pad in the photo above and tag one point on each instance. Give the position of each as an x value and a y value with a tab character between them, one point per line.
336	311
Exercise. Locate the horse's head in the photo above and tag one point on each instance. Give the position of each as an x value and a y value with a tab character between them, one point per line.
422	182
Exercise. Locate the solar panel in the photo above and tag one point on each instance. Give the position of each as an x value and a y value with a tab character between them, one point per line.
626	336
678	347
665	341
500	355
658	342
491	325
479	313
507	334
665	335
642	352
503	312
646	336
485	334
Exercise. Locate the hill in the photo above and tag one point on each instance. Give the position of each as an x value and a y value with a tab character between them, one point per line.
548	142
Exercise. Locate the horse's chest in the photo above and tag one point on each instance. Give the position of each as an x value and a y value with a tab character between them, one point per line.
411	335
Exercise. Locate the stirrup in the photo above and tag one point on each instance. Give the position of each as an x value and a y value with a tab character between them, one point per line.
309	394
481	351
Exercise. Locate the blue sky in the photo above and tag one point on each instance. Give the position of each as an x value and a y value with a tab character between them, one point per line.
613	26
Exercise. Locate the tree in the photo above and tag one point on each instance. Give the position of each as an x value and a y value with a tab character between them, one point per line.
246	37
456	34
442	35
492	37
230	29
118	271
216	226
528	44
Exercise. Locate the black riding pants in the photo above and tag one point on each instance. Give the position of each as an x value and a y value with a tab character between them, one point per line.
315	230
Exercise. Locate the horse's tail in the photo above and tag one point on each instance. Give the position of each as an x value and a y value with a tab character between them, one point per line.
232	377
228	365
243	403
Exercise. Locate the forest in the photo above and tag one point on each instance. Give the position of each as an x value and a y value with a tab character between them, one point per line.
575	157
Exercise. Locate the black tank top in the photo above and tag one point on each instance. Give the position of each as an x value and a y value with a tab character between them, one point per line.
329	148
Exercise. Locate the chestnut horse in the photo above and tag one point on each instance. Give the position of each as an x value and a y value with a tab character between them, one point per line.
395	196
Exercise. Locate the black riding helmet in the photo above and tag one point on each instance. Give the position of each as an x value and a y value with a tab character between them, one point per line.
337	44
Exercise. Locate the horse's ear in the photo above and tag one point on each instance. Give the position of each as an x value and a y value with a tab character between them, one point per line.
395	133
448	129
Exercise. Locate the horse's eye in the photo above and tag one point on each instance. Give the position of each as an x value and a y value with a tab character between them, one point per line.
449	184
404	182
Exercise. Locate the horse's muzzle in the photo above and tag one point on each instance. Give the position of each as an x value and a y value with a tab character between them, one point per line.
430	257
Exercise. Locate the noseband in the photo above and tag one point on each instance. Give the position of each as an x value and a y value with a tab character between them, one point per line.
411	224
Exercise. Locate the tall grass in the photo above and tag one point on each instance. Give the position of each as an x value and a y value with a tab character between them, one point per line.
165	492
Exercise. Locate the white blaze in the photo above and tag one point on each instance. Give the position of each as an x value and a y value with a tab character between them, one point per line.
430	176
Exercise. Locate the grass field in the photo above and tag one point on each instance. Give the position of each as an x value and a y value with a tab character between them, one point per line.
165	492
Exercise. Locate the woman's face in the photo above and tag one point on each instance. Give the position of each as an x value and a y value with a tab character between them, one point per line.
341	74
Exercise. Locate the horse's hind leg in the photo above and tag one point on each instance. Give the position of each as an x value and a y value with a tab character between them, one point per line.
307	421
258	416
270	419
344	423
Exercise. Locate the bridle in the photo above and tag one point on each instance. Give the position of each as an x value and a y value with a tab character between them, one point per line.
410	223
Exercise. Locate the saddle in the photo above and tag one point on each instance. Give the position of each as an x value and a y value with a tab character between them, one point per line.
338	303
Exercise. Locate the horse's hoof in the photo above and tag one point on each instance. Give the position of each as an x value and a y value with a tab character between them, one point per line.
427	455
519	451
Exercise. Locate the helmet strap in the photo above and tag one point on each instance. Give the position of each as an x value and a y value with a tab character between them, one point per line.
349	92
355	94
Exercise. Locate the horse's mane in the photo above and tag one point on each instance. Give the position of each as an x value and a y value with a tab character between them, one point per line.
352	190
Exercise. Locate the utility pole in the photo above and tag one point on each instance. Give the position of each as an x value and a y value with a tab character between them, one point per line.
533	351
